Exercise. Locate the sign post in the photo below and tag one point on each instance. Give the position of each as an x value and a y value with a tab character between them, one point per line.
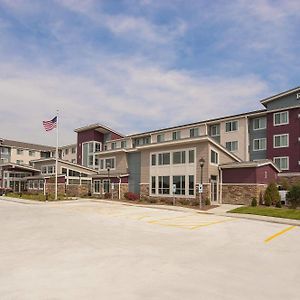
112	190
200	190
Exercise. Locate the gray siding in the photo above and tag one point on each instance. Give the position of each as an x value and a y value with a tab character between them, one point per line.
284	102
256	134
134	167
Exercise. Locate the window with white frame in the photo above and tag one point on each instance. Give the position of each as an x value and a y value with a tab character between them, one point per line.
164	158
31	153
215	130
97	147
259	144
214	157
175	135
281	141
113	145
179	157
20	151
232	146
97	186
281	118
160	138
194	132
164	185
153	184
259	123
123	144
74	149
191	185
19	162
282	162
179	181
231	126
106	163
153	160
191	156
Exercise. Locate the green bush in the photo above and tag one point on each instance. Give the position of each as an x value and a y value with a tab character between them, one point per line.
278	204
261	198
271	195
253	202
207	201
293	196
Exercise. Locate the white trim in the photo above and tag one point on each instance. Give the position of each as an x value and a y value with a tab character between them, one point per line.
259	118
281	112
269	99
289	174
264	184
210	162
280	135
233	121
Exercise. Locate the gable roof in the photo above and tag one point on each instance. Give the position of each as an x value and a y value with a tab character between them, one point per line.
24	145
99	127
277	96
250	164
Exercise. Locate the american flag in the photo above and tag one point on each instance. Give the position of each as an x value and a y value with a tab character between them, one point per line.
49	125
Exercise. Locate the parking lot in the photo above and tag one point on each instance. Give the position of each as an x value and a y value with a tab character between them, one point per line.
97	250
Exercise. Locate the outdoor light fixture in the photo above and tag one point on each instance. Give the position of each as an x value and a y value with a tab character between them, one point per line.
201	162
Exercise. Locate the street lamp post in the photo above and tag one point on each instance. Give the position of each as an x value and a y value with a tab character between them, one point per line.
108	169
201	162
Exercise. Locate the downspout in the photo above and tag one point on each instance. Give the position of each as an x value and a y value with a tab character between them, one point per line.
119	187
246	140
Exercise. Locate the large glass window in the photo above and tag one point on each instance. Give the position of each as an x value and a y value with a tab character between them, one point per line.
97	147
281	141
176	135
282	162
153	184
231	126
191	156
164	184
124	144
179	181
259	123
191	185
97	186
232	146
281	118
214	157
194	132
179	157
153	159
164	158
215	130
259	144
160	138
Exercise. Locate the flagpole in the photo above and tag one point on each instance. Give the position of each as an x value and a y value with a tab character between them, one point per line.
56	156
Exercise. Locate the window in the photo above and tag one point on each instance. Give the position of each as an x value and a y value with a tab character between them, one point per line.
215	130
232	146
153	185
19	151
44	170
164	184
160	138
91	161
176	135
164	158
101	164
146	140
214	157
97	147
281	140
153	160
194	132
281	118
259	144
110	163
19	162
91	147
41	184
259	123
73	161
64	171
231	126
282	162
113	145
179	181
66	151
123	144
50	169
73	173
31	153
191	156
191	185
179	157
96	186
74	149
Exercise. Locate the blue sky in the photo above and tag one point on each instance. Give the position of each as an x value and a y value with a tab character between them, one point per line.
140	65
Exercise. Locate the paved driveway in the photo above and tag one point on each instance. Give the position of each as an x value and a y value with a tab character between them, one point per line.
93	250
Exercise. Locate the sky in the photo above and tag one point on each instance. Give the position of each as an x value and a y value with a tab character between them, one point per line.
136	65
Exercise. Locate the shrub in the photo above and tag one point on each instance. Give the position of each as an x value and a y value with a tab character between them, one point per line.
107	196
293	196
271	194
153	200
285	184
253	202
207	201
131	196
278	204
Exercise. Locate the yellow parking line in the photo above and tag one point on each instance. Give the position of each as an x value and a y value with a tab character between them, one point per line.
212	223
172	218
279	233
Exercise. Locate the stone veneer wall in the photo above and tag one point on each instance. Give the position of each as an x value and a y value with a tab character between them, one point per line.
289	179
241	193
50	188
76	190
123	190
144	193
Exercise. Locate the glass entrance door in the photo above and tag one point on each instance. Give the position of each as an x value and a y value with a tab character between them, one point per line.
214	189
